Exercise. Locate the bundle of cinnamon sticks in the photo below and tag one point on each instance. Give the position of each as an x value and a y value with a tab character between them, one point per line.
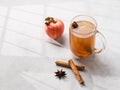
75	69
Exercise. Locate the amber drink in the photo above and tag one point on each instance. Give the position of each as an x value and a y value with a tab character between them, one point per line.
82	38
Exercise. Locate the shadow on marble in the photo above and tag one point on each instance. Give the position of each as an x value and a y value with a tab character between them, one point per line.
61	40
96	65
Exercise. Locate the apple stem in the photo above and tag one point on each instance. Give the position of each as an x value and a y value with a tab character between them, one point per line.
48	20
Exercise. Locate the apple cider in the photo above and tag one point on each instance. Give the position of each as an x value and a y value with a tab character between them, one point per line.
82	38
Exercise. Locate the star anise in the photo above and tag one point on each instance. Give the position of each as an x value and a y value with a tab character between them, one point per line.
60	74
74	24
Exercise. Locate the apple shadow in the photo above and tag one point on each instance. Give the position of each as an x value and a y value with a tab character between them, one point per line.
62	40
96	66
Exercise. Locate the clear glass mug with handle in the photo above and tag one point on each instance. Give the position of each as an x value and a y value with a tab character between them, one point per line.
83	36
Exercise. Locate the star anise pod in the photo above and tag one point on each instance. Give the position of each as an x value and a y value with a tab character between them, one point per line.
74	24
60	74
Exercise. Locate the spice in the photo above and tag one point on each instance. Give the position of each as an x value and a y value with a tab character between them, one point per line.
75	71
60	74
74	24
64	64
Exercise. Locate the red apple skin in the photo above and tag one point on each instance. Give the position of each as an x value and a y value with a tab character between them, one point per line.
55	30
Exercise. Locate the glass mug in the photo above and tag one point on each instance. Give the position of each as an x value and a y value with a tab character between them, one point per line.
82	35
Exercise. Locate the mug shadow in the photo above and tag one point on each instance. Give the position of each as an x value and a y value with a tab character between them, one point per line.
95	65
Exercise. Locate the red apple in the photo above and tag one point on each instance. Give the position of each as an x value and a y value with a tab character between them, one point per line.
54	27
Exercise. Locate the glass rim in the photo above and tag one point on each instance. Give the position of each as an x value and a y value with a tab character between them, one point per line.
93	31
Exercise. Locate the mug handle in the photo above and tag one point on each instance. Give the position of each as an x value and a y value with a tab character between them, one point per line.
103	41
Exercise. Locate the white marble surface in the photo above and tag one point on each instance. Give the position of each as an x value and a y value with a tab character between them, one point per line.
22	40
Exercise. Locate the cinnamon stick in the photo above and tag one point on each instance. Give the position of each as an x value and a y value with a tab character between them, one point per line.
64	64
75	71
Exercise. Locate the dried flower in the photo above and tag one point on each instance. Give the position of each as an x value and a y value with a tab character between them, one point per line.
60	74
48	20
